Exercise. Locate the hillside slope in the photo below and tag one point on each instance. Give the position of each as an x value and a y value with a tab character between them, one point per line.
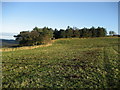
7	43
67	63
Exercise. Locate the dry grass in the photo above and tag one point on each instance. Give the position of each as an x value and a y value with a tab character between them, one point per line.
25	47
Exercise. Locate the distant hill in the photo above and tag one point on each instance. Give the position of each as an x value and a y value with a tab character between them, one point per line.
8	43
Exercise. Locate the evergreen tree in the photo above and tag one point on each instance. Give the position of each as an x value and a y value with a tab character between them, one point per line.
69	32
76	33
56	34
62	33
93	32
45	35
35	37
101	32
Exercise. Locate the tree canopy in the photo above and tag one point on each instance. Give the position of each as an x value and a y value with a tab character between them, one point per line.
36	37
44	35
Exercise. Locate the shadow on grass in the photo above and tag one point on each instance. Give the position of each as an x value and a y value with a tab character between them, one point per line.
111	79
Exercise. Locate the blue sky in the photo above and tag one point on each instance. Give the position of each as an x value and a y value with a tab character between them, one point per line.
22	16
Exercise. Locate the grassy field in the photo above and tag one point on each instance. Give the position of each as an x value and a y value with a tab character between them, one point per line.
67	63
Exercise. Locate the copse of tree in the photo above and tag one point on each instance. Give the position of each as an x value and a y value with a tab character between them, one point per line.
36	37
44	35
80	33
101	32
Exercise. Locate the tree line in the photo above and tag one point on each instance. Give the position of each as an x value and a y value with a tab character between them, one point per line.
44	35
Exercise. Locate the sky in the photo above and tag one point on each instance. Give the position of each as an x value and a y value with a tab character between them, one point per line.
24	16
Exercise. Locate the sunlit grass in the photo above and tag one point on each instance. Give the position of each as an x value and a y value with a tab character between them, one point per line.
67	63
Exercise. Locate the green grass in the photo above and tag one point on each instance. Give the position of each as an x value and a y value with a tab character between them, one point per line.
68	63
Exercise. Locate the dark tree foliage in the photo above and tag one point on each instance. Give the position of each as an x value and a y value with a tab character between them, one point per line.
44	35
56	34
76	33
36	37
62	33
69	32
84	32
101	32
